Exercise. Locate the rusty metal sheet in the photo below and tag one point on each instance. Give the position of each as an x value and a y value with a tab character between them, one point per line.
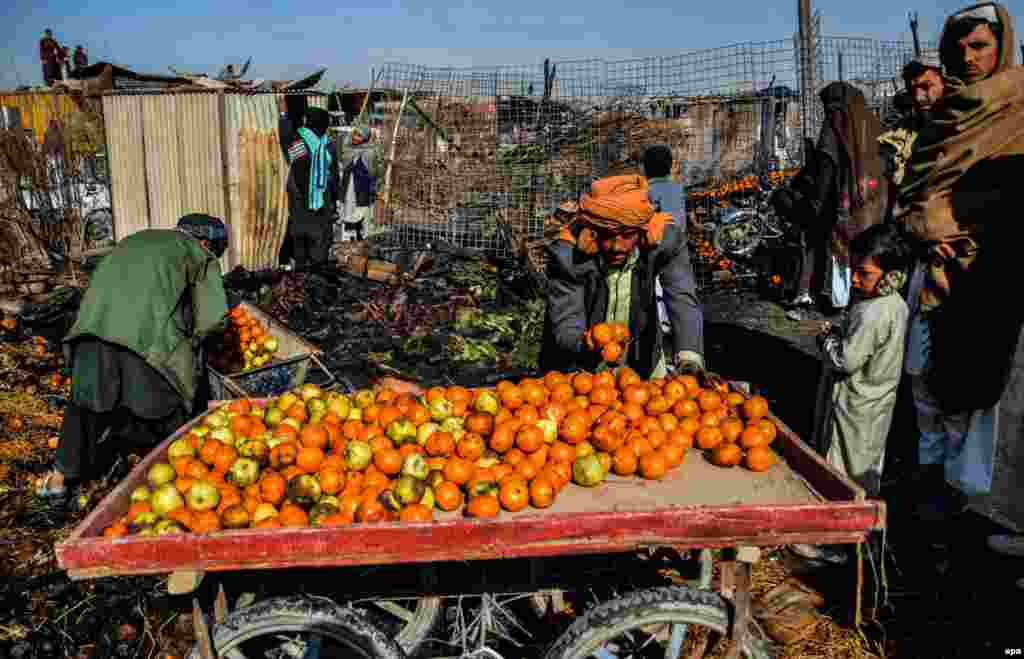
38	109
256	176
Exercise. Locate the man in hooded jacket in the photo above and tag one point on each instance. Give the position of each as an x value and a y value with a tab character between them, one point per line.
603	268
839	193
312	185
136	347
958	207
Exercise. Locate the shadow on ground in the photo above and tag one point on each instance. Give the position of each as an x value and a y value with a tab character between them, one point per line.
777	369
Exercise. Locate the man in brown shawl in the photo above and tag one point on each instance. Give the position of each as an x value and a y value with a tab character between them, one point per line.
840	192
958	207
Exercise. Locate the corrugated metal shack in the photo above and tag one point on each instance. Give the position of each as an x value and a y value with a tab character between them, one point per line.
200	151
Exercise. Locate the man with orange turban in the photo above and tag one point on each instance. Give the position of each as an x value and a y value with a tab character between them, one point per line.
603	268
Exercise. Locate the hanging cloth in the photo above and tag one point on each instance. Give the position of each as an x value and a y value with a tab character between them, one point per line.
319	165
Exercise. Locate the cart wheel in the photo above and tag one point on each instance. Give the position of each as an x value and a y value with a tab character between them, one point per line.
300	628
408	620
670	622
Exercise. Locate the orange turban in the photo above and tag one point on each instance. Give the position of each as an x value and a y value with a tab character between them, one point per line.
617	204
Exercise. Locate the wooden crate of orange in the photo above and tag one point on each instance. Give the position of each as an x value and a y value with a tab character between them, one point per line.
560	464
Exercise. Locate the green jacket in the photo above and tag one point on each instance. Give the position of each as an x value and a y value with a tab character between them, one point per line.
158	294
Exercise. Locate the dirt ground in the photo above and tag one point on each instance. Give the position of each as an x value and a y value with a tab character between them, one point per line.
947	595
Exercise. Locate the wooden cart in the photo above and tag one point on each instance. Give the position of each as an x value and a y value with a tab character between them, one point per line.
697	508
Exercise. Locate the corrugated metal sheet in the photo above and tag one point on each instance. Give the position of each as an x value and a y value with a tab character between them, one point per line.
200	154
122	118
195	152
163	164
38	110
257	177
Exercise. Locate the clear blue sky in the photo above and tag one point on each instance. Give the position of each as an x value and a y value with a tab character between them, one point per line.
289	39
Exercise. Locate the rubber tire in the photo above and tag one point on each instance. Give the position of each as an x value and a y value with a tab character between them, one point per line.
645	607
299	613
427	614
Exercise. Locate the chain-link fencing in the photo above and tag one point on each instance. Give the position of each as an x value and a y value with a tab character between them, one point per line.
483	157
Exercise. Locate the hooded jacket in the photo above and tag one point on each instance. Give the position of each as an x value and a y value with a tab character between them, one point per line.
578	298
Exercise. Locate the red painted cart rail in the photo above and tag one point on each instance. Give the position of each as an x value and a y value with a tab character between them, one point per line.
699	505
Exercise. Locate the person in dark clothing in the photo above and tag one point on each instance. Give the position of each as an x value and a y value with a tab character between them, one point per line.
135	349
667	197
312	185
80	58
840	191
603	268
50	56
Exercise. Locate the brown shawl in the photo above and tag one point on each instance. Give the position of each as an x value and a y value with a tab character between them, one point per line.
972	123
849	138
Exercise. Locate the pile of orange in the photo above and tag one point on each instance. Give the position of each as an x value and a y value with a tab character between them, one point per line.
246	344
516	446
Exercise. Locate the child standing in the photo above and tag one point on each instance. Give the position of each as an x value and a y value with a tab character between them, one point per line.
866	357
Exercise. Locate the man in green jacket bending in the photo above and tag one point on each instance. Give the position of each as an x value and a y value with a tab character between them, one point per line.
134	349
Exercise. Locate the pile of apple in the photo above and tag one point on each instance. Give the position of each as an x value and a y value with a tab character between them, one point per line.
315	458
245	345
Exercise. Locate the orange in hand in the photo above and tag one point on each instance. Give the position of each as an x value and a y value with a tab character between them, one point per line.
612	352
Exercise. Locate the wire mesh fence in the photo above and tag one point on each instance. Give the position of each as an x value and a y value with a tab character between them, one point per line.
482	157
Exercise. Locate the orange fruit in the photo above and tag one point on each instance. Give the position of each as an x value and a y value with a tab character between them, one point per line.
272	487
731	429
331	481
542	493
314	435
440	444
726	454
241	425
529	438
196	470
708	437
582	383
768	428
709	401
602	334
624	461
205	521
512	398
752	437
208	453
612	352
415	512
514	494
309	459
388	460
448	496
619	332
483	506
526	470
292	516
561	452
458	471
760	458
674	452
653	465
226	456
754	407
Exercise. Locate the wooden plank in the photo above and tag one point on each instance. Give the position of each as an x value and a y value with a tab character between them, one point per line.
453	540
